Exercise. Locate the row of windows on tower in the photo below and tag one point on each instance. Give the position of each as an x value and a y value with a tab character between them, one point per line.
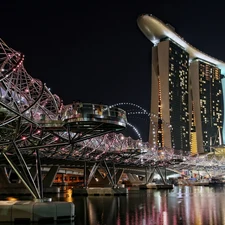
209	91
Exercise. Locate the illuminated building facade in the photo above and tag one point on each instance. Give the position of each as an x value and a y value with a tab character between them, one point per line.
186	91
207	99
170	81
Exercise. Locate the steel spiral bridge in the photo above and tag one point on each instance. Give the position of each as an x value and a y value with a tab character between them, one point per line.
32	118
34	122
35	125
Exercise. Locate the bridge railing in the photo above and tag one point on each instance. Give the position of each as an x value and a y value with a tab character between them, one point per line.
86	110
80	112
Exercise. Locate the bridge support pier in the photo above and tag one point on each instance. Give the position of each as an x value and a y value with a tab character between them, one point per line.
50	177
24	175
117	175
108	177
27	176
134	179
161	175
149	179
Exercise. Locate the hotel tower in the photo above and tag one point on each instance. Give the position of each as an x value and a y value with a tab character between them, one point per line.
186	91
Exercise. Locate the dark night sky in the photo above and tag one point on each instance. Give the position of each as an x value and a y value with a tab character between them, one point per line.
95	52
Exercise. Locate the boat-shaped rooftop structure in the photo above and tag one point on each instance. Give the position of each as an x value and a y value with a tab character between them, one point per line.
155	30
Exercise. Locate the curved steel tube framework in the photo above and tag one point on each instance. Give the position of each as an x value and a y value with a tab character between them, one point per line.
30	125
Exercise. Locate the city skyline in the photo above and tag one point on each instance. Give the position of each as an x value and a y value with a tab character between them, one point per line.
189	87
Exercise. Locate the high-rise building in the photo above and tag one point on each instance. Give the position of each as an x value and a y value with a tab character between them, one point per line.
207	104
186	91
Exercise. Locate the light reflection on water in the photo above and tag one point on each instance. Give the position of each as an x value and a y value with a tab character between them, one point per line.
180	206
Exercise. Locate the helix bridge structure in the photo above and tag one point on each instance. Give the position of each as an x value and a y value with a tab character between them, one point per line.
37	128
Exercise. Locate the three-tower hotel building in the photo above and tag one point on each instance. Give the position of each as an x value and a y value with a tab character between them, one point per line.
186	91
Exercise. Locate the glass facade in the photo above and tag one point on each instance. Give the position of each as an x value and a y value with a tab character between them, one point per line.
192	129
211	103
160	119
178	97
